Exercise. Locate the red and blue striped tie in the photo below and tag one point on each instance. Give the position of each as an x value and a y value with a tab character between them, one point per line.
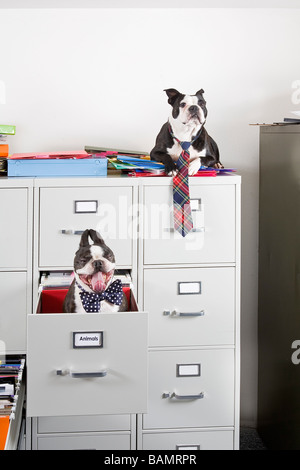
183	221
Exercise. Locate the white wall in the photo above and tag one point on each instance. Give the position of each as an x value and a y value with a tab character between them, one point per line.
96	77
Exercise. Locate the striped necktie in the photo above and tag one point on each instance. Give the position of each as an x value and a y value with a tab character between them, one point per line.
183	221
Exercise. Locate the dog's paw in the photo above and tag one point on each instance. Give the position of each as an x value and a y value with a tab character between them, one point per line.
218	165
170	168
194	166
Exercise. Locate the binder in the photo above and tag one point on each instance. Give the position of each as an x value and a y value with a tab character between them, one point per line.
3	150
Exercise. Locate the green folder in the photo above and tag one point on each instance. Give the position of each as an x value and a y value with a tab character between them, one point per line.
10	130
122	166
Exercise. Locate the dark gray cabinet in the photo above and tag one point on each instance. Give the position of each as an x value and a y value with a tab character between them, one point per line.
279	287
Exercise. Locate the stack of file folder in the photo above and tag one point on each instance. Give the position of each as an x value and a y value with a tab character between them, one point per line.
5	131
145	167
138	166
138	163
92	161
117	163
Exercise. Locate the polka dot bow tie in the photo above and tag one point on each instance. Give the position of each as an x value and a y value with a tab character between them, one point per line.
91	301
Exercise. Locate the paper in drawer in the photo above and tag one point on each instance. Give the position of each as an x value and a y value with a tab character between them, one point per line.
11	400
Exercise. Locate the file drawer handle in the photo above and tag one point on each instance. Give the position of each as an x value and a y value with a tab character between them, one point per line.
71	232
82	375
175	313
198	396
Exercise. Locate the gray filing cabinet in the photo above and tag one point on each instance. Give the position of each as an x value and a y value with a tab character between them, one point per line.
182	387
16	212
190	287
279	287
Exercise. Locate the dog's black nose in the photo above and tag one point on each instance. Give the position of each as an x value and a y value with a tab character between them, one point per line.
97	264
193	109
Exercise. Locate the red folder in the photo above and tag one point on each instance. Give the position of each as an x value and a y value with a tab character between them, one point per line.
45	155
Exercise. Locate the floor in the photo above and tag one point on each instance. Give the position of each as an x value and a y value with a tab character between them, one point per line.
250	440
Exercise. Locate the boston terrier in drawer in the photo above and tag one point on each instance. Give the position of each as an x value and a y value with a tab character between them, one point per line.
186	124
93	289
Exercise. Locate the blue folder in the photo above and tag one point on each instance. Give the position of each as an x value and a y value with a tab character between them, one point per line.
57	167
141	162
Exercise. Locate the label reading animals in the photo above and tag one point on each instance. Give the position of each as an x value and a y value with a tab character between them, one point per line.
88	339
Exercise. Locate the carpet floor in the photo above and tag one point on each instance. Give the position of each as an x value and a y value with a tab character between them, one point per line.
250	439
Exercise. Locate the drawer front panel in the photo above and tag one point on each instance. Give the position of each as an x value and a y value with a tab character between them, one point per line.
13	233
188	307
214	223
190	389
84	442
57	424
66	212
13	286
189	441
64	380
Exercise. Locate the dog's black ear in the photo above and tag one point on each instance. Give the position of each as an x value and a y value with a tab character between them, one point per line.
96	237
199	94
172	95
89	236
84	241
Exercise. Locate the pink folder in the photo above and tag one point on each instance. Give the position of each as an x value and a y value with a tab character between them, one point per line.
64	154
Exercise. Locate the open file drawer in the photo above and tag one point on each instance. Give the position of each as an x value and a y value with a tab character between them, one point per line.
87	364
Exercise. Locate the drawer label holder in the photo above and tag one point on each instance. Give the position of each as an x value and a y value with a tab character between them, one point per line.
87	339
188	288
188	370
85	207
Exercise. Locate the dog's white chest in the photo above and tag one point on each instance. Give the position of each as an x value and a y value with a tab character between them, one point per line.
176	150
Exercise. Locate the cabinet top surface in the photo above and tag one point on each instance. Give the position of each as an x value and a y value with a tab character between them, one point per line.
281	129
113	180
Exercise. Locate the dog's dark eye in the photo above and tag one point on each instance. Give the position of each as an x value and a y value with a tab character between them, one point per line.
108	254
182	105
